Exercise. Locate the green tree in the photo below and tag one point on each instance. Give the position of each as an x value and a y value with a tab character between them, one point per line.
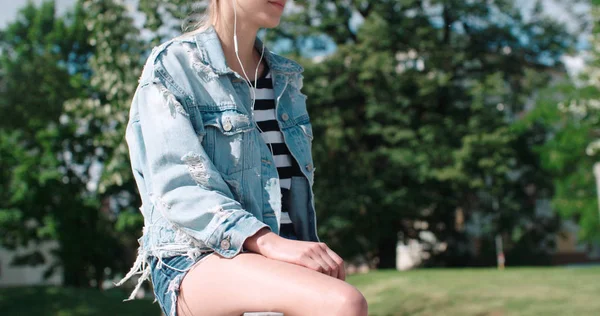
99	120
58	139
412	117
571	111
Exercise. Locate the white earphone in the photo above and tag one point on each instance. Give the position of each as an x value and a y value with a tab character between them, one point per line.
252	88
235	45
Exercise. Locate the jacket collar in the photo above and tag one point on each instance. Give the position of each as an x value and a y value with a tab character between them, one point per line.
212	54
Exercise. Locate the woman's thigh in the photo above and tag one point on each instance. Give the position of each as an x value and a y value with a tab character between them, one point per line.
251	282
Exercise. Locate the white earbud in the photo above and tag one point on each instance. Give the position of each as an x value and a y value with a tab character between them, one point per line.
235	45
250	87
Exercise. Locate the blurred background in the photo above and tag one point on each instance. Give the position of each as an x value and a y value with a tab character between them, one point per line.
456	144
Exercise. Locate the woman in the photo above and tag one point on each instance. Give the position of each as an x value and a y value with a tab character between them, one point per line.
220	148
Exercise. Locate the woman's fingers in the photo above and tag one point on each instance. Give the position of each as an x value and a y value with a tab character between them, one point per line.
314	259
316	253
339	262
307	261
323	266
318	257
326	257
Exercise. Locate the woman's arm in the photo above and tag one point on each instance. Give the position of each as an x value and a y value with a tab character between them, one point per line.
185	186
191	194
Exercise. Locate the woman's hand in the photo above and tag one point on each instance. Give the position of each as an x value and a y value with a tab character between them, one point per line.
313	255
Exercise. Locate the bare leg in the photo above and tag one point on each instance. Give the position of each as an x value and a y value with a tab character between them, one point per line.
251	282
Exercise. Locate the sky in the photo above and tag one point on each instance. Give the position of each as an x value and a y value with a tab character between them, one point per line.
9	8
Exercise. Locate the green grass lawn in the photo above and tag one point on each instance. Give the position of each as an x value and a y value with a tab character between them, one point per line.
25	301
515	291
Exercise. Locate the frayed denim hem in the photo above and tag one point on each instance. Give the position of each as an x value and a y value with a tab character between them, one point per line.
167	275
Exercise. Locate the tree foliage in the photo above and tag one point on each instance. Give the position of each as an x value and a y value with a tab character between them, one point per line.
414	118
571	111
46	159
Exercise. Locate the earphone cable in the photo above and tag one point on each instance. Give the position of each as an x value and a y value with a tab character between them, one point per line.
248	82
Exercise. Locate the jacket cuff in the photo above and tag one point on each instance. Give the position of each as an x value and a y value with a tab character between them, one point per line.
229	236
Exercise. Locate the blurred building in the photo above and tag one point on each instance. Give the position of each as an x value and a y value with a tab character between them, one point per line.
563	247
11	275
571	250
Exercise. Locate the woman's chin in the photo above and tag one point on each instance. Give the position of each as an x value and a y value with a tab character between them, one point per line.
270	22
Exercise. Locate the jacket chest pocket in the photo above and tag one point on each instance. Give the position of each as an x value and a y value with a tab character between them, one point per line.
227	138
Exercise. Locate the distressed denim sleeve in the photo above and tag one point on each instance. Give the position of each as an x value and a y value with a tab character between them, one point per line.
187	189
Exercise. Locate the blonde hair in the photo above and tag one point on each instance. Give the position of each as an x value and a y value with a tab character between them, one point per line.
207	16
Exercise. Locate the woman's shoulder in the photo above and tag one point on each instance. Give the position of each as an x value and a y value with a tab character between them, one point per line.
172	60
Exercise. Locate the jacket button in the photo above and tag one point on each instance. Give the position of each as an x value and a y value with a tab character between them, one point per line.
227	126
225	244
285	116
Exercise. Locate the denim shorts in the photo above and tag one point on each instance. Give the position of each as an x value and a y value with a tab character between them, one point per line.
167	278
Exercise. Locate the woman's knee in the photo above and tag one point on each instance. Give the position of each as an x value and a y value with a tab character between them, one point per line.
350	302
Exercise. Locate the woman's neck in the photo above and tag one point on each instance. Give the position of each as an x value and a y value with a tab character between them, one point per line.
248	55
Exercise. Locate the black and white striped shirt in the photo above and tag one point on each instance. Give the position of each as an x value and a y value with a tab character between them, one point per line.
265	117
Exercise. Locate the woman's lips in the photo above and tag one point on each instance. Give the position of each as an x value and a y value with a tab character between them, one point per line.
279	5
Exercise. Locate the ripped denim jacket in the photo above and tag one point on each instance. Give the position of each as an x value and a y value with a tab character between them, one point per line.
206	178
